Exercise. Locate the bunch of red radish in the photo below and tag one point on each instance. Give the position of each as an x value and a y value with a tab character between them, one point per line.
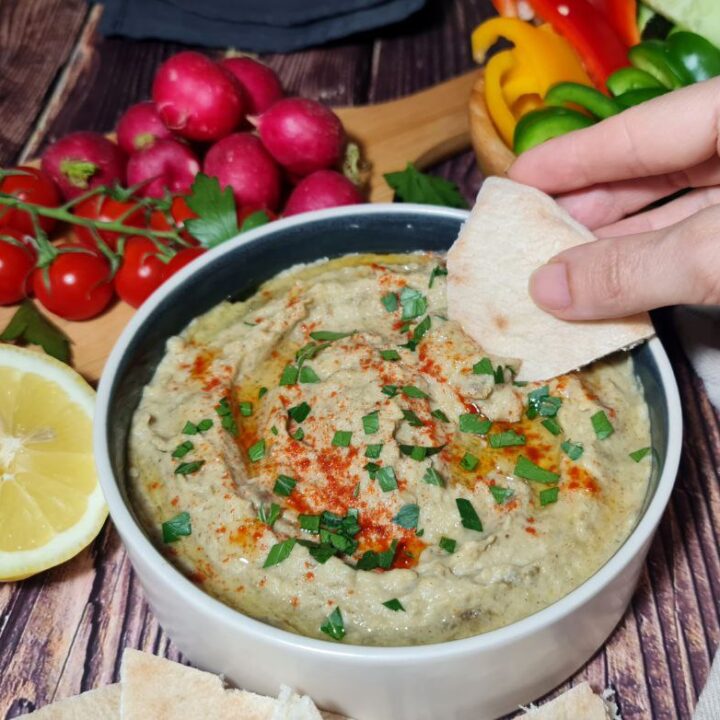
228	119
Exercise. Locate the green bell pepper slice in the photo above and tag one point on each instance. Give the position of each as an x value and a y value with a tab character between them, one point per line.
653	56
630	78
699	57
540	125
592	100
640	95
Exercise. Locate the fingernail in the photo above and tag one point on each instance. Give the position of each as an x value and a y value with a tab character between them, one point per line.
549	286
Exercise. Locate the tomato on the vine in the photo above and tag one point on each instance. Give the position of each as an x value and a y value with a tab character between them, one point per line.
142	271
106	209
76	284
17	261
179	212
182	258
33	186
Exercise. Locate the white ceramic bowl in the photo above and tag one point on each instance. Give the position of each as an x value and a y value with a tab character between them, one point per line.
477	678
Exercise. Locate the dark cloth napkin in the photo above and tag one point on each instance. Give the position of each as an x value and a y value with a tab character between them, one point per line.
253	25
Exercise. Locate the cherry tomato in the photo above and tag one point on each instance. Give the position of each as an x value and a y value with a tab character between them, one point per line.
179	212
182	258
34	187
142	271
76	285
105	209
17	261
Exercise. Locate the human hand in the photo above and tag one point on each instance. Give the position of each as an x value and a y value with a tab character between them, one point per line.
663	256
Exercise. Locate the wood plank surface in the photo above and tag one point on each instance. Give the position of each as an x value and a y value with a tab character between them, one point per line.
63	631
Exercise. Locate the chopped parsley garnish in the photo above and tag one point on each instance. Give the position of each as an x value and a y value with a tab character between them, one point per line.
386	478
372	560
205	424
309	351
309	523
413	303
601	425
356	490
469	461
329	335
520	383
501	494
390	390
638	455
289	375
508	438
540	402
483	367
448	544
433	477
391	355
372	469
395	605
189	468
320	553
421	329
284	485
437	271
572	449
298	435
182	449
261	392
408	516
549	496
177	527
412	418
274	430
474	424
245	408
468	516
299	412
390	301
190	428
528	470
336	533
279	552
257	451
371	422
552	426
308	375
418	452
413	392
270	515
224	410
334	626
342	438
438	414
373	451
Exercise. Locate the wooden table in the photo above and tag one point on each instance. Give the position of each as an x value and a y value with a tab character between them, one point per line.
62	632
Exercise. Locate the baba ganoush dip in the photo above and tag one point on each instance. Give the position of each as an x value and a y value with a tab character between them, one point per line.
336	458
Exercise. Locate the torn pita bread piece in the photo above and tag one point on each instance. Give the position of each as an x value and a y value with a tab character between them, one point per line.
512	230
578	703
101	704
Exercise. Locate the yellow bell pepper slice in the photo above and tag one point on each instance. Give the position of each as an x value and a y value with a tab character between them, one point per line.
525	104
499	110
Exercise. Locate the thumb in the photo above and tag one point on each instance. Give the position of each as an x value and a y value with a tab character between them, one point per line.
619	276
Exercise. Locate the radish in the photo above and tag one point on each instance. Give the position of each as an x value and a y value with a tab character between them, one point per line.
140	126
261	85
197	98
322	189
241	162
84	160
165	166
302	135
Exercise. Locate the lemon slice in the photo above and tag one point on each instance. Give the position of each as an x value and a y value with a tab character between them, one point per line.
51	505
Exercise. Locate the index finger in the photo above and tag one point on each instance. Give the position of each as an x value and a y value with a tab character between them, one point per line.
669	133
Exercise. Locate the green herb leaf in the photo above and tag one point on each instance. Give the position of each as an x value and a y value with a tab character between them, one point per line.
410	185
279	552
416	452
270	515
499	375
501	494
189	468
262	391
204	424
309	351
528	470
552	426
320	552
334	626
386	479
421	330
508	438
308	375
483	367
289	375
391	355
373	451
448	544
255	220
245	408
274	430
298	435
29	325
372	469
440	415
549	496
413	392
284	485
638	455
469	462
257	451
436	272
342	438
395	605
540	402
182	449
216	219
390	301
190	428
474	424
413	303
433	477
601	425
572	449
468	516
329	335
177	527
299	412
309	523
371	422
390	390
412	418
408	516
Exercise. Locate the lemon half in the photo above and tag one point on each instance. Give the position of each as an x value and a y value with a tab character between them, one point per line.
51	505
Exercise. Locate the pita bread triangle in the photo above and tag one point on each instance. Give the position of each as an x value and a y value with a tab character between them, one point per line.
101	704
578	703
512	230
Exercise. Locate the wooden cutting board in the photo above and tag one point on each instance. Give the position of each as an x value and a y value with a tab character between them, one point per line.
423	129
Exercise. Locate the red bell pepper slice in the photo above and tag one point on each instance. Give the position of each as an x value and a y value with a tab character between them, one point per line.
622	15
589	32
